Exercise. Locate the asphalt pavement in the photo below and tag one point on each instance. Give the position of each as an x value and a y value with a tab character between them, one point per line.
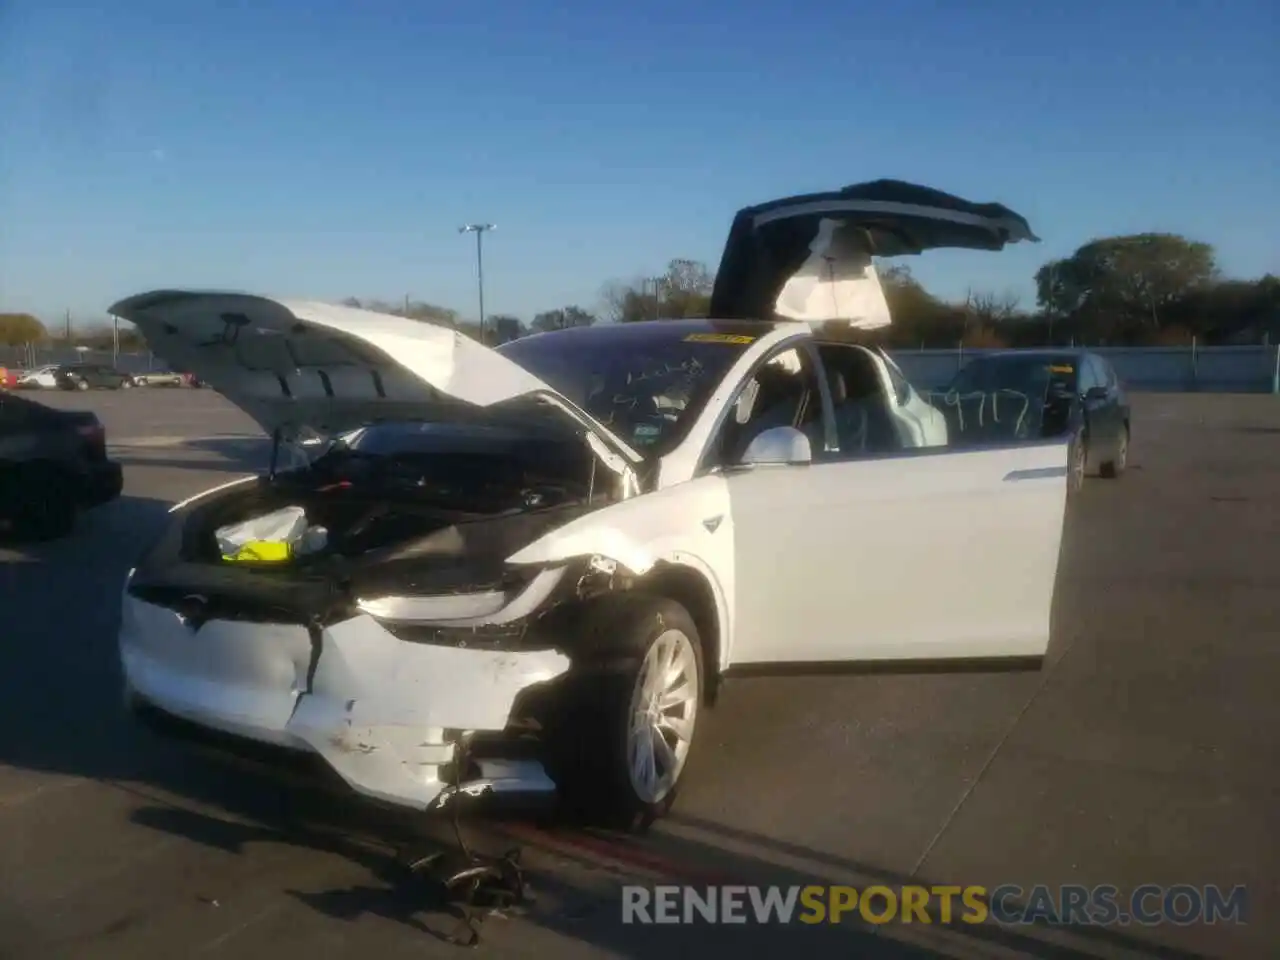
1144	753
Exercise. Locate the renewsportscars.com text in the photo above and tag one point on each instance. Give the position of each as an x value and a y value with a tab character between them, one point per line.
1074	905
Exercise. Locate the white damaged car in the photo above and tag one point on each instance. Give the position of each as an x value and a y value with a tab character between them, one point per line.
539	562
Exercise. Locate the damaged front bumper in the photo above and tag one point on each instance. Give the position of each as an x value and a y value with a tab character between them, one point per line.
384	713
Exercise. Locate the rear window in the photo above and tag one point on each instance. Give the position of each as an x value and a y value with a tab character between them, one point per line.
1033	376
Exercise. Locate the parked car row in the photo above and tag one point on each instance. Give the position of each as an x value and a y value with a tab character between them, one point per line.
97	376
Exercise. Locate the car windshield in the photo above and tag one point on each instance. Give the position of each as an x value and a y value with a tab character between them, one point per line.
646	382
1032	376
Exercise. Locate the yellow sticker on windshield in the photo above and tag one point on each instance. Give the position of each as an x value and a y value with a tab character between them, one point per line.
718	338
1060	368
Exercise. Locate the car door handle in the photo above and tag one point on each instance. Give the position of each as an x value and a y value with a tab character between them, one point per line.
1036	473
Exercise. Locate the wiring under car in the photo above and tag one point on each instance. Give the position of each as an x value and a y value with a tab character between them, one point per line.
472	884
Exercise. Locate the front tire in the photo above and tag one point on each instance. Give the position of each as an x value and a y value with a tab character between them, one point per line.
82	384
627	723
126	384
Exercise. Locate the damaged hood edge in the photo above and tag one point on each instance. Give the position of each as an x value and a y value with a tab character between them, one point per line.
294	364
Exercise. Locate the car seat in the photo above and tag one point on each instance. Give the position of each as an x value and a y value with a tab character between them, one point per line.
851	418
766	402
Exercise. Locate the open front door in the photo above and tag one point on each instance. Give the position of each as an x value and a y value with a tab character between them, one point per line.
928	556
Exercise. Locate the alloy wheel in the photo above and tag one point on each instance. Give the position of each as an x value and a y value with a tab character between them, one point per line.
664	710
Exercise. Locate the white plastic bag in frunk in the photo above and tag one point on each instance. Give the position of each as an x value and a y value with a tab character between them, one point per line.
287	525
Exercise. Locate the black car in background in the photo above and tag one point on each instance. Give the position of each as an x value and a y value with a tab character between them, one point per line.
87	376
53	464
1011	396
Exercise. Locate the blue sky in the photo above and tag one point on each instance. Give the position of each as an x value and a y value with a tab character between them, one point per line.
332	148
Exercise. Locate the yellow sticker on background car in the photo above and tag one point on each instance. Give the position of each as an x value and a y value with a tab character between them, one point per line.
718	338
1059	368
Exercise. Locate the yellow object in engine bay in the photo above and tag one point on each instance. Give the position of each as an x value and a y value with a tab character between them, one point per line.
261	551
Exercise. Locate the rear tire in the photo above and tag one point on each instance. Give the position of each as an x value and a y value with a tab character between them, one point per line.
623	730
1113	469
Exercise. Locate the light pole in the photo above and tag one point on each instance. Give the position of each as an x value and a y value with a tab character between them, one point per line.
479	229
657	296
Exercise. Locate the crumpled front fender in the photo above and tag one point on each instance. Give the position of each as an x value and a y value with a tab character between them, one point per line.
374	706
378	706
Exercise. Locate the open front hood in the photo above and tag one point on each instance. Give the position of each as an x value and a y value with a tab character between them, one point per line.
295	365
809	257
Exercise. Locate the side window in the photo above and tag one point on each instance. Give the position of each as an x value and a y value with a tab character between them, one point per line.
1108	373
781	392
1099	370
863	420
1088	379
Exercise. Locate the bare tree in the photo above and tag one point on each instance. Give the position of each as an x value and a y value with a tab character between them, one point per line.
990	309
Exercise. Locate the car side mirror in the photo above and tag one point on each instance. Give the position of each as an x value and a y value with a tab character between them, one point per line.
1096	393
778	445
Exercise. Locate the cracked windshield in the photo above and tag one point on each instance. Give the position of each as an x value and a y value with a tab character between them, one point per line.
639	481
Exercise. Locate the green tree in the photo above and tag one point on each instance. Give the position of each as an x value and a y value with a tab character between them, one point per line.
630	302
19	328
684	290
504	328
919	317
562	318
1234	310
1117	287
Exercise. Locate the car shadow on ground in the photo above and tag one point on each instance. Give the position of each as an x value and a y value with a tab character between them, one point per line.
384	842
61	713
383	845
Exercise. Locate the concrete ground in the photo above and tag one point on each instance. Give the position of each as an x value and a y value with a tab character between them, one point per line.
1146	752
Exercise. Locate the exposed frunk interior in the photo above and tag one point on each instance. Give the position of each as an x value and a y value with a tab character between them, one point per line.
410	508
